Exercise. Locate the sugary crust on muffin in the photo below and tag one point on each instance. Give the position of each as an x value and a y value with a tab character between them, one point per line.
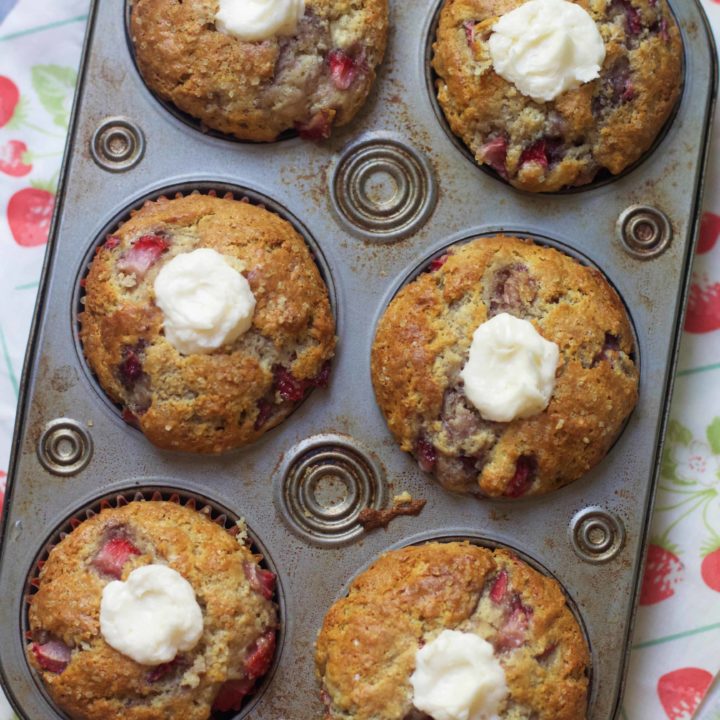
257	90
423	341
101	683
208	402
606	123
367	645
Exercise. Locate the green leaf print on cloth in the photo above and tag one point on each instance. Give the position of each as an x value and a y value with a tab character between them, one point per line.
55	86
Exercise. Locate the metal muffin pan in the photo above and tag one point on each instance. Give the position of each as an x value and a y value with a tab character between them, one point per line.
379	198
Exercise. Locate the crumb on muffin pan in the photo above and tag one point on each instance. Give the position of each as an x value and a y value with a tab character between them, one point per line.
310	82
423	339
607	123
366	649
90	680
230	397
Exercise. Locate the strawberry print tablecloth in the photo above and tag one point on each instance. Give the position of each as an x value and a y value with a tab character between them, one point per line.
676	648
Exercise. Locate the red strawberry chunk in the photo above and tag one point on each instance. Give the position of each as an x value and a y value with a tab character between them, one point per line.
318	127
53	655
512	634
499	587
289	387
130	418
258	661
232	694
161	671
494	153
142	255
469	26
322	379
130	368
524	475
634	21
343	69
113	555
265	411
426	455
112	242
438	262
536	152
261	581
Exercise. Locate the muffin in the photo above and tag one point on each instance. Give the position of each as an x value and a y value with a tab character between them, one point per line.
181	392
310	78
425	342
372	642
605	123
69	623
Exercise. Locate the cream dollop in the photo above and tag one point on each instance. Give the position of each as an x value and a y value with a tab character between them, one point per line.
510	372
206	303
458	677
546	47
152	616
259	19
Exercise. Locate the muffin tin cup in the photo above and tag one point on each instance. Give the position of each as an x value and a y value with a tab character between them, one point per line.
230	521
222	190
589	535
471	535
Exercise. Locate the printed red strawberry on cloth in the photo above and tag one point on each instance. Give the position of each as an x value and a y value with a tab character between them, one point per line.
681	691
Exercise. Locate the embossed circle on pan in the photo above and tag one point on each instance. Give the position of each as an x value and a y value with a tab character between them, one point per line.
603	177
436	258
118	144
322	486
454	534
382	189
65	447
596	535
176	112
218	513
204	187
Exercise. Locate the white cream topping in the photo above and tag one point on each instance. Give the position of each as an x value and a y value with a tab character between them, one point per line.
546	47
206	302
259	19
152	616
510	372
458	677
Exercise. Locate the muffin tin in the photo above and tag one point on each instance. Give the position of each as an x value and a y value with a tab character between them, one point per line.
380	199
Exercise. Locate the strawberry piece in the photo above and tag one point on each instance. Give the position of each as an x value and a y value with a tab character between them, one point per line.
318	127
469	26
494	153
499	587
537	152
258	661
663	29
343	69
525	469
130	368
11	159
681	691
438	262
113	555
633	21
426	455
289	387
663	571
53	655
130	417
159	672
265	412
143	254
261	581
512	634
232	695
322	379
112	242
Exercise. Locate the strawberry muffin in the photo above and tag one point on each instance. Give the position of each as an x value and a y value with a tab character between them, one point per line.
151	611
548	93
257	68
456	629
507	368
207	320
